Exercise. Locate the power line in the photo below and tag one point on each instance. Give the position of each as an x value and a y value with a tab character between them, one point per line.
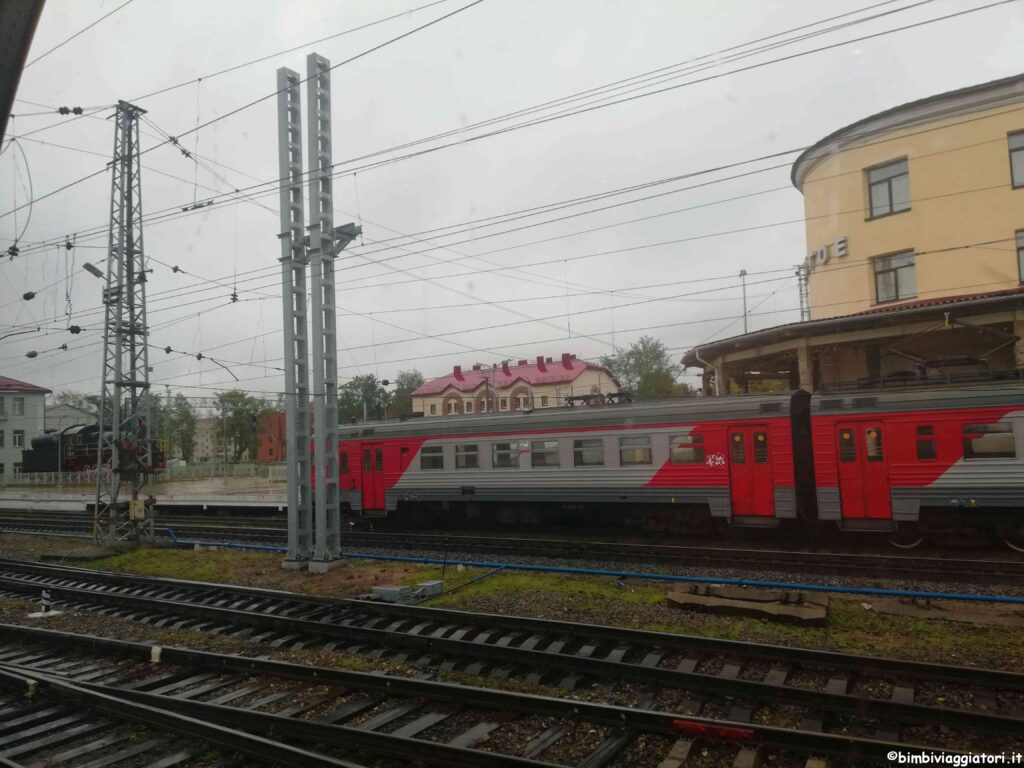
566	114
79	32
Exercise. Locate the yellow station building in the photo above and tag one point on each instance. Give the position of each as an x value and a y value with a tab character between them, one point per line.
915	253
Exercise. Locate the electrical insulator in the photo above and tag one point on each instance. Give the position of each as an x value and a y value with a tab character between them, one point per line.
75	329
28	295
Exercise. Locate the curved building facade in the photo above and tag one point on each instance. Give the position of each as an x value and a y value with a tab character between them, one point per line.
914	265
921	201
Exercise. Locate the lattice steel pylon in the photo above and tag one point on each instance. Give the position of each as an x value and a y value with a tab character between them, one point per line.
125	456
327	543
294	259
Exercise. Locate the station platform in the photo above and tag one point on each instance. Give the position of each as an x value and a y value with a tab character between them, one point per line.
199	495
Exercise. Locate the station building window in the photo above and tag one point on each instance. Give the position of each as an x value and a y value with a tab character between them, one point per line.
504	403
543	401
1016	141
19	439
989	441
1020	253
634	450
895	277
432	457
588	452
469	406
888	189
433	409
544	453
467	457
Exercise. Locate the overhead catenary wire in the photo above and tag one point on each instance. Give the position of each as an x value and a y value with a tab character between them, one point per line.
583	110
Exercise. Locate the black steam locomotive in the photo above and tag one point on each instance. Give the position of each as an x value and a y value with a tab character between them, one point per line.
72	449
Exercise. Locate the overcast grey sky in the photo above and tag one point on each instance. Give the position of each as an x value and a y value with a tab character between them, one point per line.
406	307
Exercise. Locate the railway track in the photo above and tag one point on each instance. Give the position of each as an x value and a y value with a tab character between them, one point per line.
812	701
51	715
1002	571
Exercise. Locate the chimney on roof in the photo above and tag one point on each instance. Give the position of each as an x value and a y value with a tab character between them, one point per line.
567	361
572	357
458	372
522	362
550	360
540	364
476	366
504	367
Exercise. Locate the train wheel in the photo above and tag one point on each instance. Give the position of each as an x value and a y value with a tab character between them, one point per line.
907	538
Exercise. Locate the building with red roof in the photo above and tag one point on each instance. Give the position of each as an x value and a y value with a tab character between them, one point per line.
507	386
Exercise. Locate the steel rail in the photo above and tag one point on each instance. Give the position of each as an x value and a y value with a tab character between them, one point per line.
224	737
679	643
511	657
467	696
915	567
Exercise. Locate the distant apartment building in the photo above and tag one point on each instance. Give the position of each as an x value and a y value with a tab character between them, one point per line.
21	418
208	444
543	383
270	442
59	417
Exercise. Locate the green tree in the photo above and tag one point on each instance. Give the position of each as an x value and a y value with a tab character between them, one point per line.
358	390
646	371
180	420
406	382
241	413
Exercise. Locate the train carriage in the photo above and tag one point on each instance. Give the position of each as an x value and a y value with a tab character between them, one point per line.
728	458
921	461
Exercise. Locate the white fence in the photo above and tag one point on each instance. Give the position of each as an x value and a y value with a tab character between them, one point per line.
271	472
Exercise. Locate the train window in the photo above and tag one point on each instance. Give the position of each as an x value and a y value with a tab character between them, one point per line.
737	449
505	456
634	450
467	457
847	446
380	459
544	453
989	441
760	447
366	459
343	463
432	457
686	449
873	443
926	443
588	453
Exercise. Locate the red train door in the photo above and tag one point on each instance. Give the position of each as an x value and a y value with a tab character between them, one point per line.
750	472
863	471
373	476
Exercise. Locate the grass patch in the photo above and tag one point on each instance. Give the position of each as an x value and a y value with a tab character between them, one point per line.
186	564
587	590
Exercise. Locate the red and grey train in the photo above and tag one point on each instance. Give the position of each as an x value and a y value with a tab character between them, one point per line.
905	463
